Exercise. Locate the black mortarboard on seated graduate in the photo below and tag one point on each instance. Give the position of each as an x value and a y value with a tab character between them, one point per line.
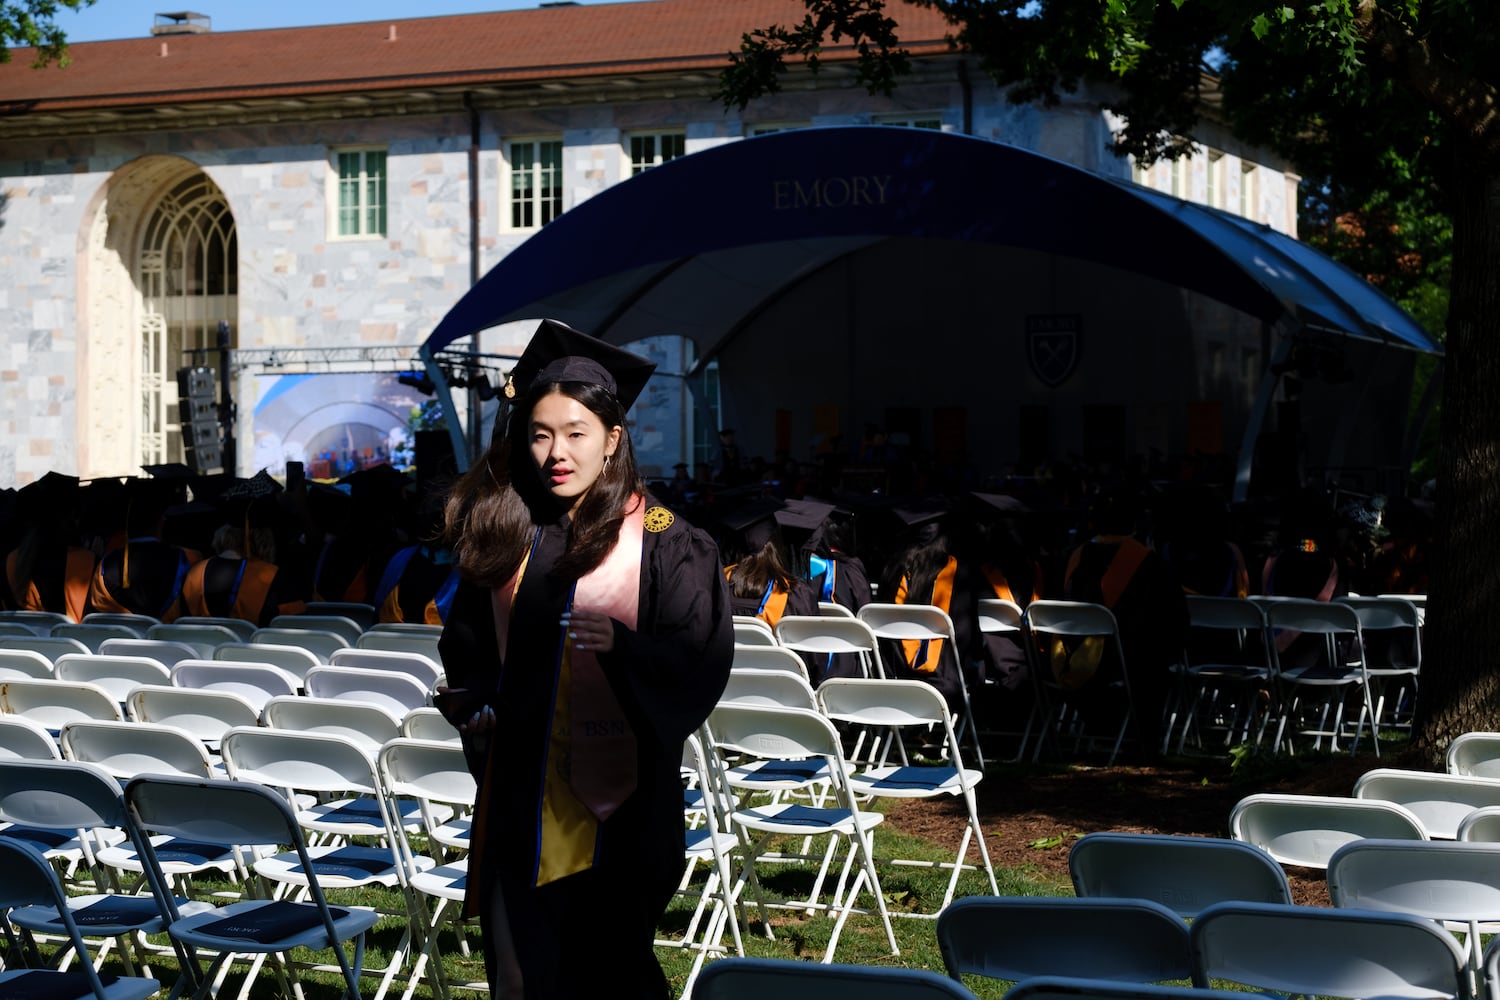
753	523
805	519
923	517
559	353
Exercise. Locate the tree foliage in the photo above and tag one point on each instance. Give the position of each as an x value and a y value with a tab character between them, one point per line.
33	24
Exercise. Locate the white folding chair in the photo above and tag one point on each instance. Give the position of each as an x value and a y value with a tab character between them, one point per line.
791	734
54	703
1476	755
10	629
126	750
1289	949
118	675
1391	628
1017	937
752	631
1340	671
1079	622
240	627
30	884
822	635
244	813
49	646
1440	801
353	833
423	643
24	663
428	723
397	693
755	978
163	651
709	842
138	622
257	683
428	775
93	634
320	642
1227	673
833	609
21	738
293	659
424	669
899	704
775	657
1453	883
202	636
1481	826
767	687
1083	988
998	617
206	715
1185	874
367	726
347	628
1305	830
80	801
362	615
926	623
39	622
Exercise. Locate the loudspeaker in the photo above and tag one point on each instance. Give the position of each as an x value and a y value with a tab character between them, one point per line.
198	413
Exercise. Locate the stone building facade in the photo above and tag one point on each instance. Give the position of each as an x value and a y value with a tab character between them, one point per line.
328	193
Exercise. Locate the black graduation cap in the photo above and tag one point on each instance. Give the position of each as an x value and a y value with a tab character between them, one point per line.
559	353
1000	503
375	482
170	470
754	521
917	513
259	485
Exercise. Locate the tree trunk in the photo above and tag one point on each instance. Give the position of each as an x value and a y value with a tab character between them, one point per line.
1460	682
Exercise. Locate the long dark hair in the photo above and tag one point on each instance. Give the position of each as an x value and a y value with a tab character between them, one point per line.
492	513
750	575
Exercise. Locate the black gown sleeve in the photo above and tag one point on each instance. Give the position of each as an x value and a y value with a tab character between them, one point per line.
469	650
669	672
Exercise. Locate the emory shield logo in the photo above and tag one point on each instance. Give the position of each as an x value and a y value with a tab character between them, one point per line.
1052	347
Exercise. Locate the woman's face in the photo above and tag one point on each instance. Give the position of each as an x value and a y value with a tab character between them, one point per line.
569	444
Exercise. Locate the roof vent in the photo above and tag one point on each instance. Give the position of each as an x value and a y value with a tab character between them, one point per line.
183	22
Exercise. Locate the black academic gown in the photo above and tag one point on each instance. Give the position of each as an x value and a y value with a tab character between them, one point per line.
850	589
144	577
590	934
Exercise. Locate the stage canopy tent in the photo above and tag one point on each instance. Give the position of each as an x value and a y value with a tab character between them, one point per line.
878	269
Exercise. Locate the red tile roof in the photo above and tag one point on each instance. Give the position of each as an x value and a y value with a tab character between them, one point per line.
508	47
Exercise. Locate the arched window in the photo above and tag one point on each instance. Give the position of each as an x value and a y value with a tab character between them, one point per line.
189	282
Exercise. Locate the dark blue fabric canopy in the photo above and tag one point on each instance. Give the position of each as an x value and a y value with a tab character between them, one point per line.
694	246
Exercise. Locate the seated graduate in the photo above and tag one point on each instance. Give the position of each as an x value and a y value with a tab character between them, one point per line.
1115	569
49	569
144	576
929	568
1011	572
420	580
761	582
590	635
241	580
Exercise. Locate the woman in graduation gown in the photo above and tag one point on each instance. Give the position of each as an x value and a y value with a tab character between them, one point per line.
591	633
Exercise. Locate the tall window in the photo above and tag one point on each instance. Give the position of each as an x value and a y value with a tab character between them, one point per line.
1248	207
1213	194
536	187
361	192
652	149
1179	181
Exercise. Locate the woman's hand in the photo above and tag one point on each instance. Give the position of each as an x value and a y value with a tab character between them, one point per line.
479	723
593	631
